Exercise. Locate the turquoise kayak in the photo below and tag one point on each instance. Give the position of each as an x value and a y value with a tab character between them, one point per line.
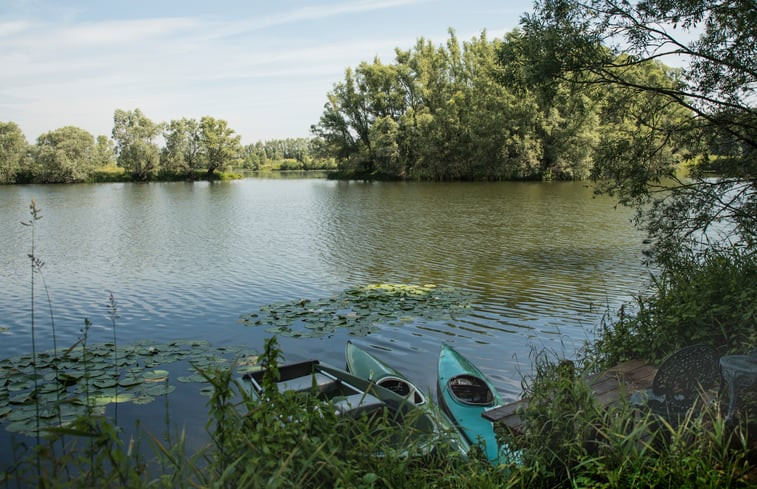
364	365
465	393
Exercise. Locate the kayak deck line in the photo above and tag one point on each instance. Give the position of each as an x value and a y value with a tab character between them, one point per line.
609	387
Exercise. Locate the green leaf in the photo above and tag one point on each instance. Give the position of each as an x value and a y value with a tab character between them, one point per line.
155	375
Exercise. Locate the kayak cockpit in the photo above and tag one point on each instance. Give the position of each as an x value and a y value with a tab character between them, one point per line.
403	388
471	390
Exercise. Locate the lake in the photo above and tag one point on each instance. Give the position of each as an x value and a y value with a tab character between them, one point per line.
541	263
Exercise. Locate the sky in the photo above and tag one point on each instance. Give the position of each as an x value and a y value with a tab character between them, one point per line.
266	67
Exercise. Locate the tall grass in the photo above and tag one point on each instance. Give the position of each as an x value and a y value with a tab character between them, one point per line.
569	441
112	307
36	265
287	440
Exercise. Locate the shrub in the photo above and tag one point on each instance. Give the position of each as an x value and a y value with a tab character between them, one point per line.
710	300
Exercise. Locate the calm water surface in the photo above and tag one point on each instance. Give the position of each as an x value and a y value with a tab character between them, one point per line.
185	260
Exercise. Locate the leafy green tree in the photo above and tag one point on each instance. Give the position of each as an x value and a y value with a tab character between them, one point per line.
384	148
13	150
344	125
65	155
183	151
253	156
135	135
105	151
715	123
470	110
219	143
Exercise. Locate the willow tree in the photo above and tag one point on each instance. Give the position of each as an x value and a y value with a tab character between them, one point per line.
135	136
13	149
65	155
220	144
608	43
182	151
436	113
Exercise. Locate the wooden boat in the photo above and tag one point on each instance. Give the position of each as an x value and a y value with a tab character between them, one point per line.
354	396
465	393
365	365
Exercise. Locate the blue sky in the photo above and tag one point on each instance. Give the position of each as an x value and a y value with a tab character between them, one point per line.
264	66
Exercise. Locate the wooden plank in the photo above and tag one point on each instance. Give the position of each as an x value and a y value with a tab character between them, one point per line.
609	387
506	410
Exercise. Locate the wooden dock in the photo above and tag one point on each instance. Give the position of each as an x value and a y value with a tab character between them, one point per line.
608	387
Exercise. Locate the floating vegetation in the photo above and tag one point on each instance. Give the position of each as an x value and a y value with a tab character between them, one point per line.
83	381
360	310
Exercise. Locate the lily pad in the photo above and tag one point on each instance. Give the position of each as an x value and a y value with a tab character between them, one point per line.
104	399
360	310
130	381
106	382
143	399
155	375
24	398
191	378
158	389
78	381
24	426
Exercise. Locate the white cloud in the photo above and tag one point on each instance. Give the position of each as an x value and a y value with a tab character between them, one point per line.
13	27
124	32
309	13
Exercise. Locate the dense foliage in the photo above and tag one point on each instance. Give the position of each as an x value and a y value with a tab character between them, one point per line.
135	136
286	154
476	110
713	93
12	151
711	300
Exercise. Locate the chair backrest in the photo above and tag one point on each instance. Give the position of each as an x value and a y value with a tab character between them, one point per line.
684	373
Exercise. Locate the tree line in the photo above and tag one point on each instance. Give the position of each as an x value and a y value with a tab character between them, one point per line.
142	150
481	109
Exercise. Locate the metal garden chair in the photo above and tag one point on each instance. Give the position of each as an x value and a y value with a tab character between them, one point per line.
679	382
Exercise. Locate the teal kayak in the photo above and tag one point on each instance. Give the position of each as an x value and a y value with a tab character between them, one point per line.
364	365
465	393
